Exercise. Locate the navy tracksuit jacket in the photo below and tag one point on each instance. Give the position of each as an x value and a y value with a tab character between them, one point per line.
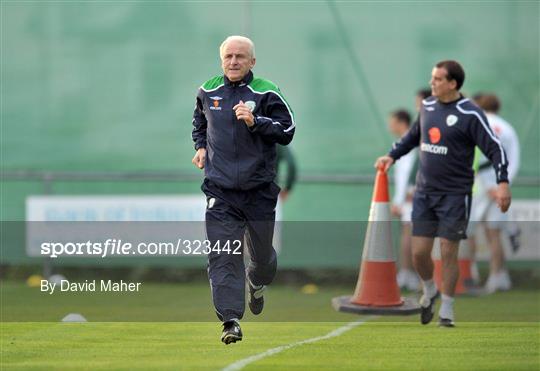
240	169
447	134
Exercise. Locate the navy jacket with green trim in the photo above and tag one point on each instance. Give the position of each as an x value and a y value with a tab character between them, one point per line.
238	157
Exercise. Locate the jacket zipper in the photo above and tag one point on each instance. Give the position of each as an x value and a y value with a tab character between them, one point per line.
236	164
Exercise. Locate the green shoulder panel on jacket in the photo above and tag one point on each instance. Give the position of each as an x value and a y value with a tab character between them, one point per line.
262	86
213	83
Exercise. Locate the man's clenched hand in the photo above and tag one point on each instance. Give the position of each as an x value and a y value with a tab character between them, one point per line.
243	112
198	159
503	197
383	163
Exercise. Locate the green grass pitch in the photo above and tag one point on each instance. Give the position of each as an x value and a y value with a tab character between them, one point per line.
500	331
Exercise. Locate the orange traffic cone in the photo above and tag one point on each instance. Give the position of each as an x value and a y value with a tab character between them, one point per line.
377	290
377	284
463	285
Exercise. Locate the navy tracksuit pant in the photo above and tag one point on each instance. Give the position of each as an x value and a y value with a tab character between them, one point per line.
234	215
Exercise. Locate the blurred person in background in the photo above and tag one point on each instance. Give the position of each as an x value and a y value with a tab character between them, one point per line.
484	208
285	155
398	124
421	94
237	122
404	178
447	130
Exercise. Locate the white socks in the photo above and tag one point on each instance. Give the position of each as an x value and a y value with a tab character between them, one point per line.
447	307
429	288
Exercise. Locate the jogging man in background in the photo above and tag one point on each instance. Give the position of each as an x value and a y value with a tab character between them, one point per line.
398	124
448	129
238	121
484	208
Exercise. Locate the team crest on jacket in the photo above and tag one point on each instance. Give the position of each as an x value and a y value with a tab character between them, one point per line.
215	106
251	105
451	120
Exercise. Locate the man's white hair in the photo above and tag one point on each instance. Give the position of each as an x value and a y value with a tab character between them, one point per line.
242	39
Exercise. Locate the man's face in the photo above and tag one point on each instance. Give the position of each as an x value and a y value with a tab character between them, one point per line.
236	60
440	86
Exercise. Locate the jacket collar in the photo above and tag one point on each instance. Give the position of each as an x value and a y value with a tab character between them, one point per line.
245	80
451	102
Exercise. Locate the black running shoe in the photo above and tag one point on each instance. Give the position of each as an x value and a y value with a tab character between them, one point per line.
231	332
445	322
427	311
256	298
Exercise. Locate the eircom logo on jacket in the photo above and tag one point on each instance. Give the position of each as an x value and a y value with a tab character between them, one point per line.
434	137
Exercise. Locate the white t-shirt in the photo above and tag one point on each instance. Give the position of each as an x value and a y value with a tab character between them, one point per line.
510	142
402	174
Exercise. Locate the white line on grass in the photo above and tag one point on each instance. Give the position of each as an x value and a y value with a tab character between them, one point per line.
238	365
